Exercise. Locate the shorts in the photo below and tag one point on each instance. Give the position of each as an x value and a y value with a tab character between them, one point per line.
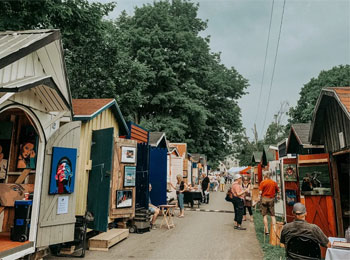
152	210
267	206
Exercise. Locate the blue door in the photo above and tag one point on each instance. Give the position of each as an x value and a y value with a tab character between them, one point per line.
158	175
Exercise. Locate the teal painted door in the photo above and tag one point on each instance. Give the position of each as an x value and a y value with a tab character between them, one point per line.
100	178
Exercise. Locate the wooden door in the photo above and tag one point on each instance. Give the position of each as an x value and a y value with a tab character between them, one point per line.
56	228
100	177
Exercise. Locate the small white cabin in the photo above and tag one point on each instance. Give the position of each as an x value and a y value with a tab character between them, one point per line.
34	96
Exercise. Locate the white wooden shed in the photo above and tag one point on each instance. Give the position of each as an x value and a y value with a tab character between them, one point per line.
34	96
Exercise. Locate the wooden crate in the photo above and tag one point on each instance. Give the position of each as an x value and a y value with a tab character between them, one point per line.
104	241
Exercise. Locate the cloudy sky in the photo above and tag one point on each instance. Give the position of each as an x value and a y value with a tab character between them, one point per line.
315	36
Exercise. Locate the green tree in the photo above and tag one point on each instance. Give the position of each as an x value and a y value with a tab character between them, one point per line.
190	95
338	76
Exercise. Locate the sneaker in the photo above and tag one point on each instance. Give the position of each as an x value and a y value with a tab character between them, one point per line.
241	228
235	227
153	227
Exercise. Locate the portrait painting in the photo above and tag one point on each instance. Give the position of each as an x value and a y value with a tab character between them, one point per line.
124	199
63	167
315	180
290	173
27	148
128	154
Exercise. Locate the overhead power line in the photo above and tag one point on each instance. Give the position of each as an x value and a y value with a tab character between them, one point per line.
274	67
263	74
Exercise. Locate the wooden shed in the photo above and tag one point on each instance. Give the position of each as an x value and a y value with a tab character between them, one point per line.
331	127
39	149
101	172
298	140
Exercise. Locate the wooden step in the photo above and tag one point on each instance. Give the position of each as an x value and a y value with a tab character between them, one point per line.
104	241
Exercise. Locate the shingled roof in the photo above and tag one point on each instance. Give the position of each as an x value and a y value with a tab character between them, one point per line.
301	132
87	109
157	139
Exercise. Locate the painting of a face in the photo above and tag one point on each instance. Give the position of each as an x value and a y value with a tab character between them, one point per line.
26	158
63	170
27	149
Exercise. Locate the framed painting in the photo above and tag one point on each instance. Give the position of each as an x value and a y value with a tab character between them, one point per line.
4	157
63	166
128	154
129	176
315	180
290	172
27	148
124	199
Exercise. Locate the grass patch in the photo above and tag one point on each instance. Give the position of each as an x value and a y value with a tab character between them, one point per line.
270	252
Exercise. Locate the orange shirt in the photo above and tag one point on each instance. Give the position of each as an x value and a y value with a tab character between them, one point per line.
268	188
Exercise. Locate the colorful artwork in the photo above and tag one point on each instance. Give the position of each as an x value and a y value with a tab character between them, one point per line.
63	166
291	197
128	154
4	157
315	180
290	172
124	199
27	149
129	176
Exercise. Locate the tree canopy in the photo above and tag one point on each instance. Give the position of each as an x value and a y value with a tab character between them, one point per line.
338	76
154	62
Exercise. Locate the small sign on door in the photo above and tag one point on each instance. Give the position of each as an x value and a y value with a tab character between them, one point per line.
62	205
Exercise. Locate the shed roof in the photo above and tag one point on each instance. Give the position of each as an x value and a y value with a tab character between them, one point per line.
34	58
157	139
87	109
268	155
181	147
256	158
341	95
301	132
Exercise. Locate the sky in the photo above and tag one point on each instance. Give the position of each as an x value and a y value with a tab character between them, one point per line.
315	36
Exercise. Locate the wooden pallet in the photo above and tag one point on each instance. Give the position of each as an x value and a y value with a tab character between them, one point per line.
104	241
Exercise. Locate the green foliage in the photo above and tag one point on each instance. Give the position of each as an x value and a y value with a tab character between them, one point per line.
270	252
155	63
338	76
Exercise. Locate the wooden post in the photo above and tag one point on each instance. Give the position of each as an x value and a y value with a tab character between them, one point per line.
336	192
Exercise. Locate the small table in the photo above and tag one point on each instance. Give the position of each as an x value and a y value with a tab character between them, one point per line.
191	196
336	253
168	211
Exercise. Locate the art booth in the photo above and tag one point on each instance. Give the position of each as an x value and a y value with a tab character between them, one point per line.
98	180
38	152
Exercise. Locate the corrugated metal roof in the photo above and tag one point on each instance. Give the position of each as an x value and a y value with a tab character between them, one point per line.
17	44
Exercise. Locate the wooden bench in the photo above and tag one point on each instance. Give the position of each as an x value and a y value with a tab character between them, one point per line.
104	241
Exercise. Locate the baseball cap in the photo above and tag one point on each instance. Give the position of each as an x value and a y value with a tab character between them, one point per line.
299	209
237	176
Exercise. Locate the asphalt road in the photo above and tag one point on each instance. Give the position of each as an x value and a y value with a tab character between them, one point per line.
200	235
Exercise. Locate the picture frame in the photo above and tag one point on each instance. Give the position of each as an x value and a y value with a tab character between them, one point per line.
128	154
124	199
290	172
63	170
314	180
129	176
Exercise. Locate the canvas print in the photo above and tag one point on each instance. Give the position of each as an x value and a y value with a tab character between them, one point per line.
290	172
124	199
314	180
4	157
128	154
63	167
27	148
129	176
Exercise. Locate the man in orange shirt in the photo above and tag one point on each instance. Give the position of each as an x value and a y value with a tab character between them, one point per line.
268	189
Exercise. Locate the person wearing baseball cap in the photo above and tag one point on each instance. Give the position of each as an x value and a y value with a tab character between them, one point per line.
238	201
300	227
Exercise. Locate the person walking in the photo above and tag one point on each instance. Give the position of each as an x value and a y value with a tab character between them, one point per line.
180	188
268	189
222	183
247	199
238	201
205	188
